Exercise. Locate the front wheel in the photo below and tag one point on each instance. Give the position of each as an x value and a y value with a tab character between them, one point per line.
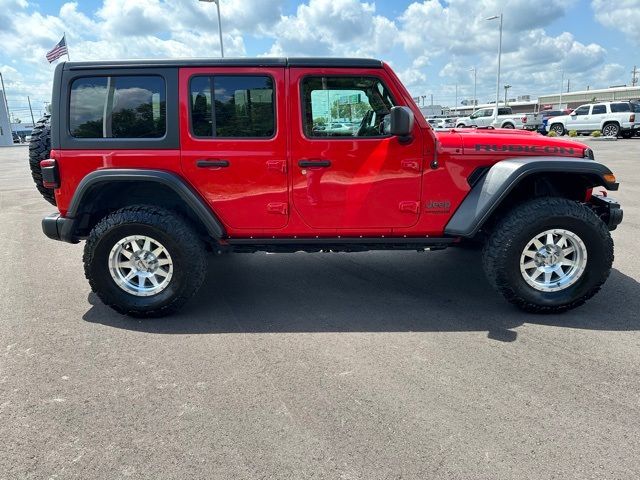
144	261
548	255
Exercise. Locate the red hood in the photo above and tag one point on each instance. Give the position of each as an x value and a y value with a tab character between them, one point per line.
509	142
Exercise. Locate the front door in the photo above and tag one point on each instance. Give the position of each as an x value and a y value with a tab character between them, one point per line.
234	143
348	173
579	118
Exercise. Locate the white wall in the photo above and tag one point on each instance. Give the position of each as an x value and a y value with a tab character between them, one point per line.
5	127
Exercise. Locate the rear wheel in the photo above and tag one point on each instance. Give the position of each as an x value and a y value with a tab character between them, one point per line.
558	128
508	125
549	255
144	261
611	130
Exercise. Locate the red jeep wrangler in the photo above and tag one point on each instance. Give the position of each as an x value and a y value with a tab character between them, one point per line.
156	162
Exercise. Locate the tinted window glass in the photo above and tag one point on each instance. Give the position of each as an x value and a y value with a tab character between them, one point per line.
599	109
345	107
243	106
635	107
582	110
118	107
504	111
86	109
620	107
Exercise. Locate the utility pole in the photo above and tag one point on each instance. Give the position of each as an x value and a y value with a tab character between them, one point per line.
475	83
217	2
456	98
495	112
506	88
568	84
31	111
561	88
634	76
423	99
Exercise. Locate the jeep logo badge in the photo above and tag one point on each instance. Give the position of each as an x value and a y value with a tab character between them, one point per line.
438	206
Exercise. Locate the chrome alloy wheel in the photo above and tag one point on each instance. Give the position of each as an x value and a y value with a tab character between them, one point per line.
140	265
553	260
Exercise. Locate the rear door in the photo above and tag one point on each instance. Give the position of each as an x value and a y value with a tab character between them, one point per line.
598	115
351	180
234	144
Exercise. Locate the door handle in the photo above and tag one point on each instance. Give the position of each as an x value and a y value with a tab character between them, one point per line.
213	163
314	163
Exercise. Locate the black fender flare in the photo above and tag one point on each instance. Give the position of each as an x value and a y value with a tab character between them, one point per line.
187	194
491	189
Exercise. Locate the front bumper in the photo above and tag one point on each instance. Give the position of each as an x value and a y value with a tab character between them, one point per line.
608	210
59	228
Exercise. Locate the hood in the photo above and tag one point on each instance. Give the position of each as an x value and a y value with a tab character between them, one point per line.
511	142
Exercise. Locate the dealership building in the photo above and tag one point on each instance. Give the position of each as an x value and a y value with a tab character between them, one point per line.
6	138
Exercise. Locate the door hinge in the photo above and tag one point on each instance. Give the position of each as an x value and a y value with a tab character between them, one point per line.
277	165
412	207
280	208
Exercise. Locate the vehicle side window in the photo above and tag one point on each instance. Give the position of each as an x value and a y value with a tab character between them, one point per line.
118	107
241	106
599	109
345	107
620	107
584	110
504	111
488	112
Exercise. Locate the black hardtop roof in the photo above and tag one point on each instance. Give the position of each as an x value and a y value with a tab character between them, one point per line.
317	62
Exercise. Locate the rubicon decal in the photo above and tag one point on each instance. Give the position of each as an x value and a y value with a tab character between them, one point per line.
480	147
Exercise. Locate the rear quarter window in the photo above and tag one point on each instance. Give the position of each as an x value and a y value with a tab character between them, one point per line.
620	107
118	107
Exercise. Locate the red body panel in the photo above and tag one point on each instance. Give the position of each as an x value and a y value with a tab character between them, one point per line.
375	186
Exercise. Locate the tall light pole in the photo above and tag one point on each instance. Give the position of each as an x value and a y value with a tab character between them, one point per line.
475	83
561	88
217	2
495	113
506	87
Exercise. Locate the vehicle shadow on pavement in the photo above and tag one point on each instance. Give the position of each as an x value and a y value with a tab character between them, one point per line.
367	292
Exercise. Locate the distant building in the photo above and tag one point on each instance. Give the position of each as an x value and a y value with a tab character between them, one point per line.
5	127
22	129
575	99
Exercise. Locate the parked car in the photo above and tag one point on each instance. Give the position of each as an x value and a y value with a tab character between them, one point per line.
153	194
485	118
611	118
538	121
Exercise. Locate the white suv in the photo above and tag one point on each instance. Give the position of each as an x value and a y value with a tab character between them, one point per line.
611	118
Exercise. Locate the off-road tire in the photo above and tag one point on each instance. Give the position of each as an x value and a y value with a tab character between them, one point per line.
558	128
502	251
181	241
39	149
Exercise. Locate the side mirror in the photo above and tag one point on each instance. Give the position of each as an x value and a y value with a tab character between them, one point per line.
401	122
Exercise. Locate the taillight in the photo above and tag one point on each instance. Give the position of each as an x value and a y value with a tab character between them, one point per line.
50	176
632	118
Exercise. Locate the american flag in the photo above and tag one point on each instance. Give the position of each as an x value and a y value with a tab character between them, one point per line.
59	50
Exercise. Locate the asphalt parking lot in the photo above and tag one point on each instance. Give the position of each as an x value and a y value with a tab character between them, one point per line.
338	366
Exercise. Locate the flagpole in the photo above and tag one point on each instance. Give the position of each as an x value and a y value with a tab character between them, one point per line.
64	34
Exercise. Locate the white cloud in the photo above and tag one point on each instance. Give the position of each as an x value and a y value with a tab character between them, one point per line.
622	15
334	27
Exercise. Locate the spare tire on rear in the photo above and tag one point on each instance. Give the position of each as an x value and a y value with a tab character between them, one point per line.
39	149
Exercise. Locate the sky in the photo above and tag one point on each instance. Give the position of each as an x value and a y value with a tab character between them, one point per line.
432	44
